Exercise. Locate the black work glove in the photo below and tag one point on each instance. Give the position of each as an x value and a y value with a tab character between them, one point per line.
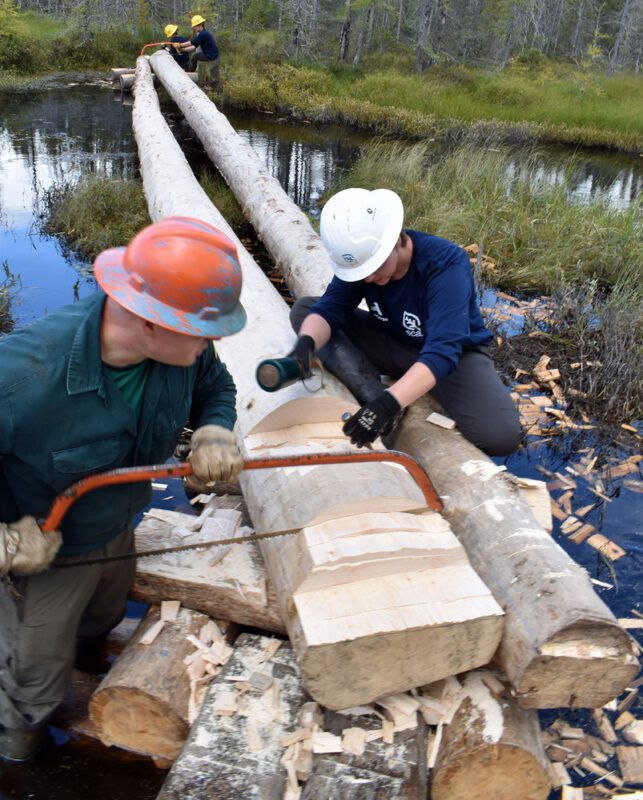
372	420
303	352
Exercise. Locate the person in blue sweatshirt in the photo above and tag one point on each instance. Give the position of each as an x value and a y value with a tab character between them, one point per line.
178	54
423	327
203	47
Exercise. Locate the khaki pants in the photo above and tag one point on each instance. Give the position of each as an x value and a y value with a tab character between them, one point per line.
40	626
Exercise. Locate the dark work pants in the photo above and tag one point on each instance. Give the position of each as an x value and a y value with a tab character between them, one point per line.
40	627
473	394
212	66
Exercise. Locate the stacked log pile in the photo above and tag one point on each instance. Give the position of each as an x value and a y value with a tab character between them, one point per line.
376	601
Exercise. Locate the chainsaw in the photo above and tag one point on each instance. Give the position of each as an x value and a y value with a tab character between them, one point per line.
65	499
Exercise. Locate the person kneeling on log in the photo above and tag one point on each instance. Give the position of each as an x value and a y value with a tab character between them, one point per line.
423	327
204	48
106	383
177	53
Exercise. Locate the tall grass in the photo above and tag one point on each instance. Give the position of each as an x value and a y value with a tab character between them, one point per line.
558	103
533	230
95	214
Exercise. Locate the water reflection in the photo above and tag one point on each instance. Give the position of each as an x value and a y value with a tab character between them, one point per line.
64	134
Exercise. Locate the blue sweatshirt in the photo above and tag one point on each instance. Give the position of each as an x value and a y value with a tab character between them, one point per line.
433	307
205	40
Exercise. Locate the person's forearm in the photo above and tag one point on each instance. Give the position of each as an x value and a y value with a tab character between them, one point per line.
415	382
316	326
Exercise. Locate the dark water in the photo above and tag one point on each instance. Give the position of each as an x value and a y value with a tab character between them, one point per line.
65	133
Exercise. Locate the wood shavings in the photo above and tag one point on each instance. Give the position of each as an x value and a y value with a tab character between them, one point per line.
324	742
354	741
170	610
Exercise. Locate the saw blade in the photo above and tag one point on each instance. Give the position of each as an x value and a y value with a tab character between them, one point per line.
253	537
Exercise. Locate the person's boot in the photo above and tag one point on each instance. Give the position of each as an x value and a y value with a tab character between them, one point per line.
347	363
21	745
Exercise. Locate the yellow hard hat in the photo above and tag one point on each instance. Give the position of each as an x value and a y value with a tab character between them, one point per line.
197	19
170	30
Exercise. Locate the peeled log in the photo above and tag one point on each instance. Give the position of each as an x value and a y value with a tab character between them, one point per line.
284	229
389	614
143	702
126	81
562	646
491	750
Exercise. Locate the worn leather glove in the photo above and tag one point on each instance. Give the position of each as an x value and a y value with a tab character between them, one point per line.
372	420
303	352
25	549
215	455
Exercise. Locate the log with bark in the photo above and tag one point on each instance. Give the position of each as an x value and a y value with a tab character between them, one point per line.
562	645
389	618
143	703
280	224
490	750
231	585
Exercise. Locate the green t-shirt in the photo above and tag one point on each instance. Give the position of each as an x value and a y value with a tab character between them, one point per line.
131	381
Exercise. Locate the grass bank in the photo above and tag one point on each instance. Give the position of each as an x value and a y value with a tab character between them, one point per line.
550	104
98	213
537	236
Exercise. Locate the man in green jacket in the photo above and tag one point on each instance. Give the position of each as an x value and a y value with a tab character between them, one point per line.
109	382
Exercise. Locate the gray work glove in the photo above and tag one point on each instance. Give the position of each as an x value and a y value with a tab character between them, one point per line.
25	549
215	455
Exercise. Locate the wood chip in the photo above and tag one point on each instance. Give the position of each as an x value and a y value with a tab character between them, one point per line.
572	793
298	735
354	741
226	704
630	623
633	732
559	775
271	648
260	680
604	726
152	632
324	742
623	720
441	421
388	731
170	610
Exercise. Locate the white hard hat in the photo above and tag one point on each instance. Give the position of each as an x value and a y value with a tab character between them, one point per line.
359	229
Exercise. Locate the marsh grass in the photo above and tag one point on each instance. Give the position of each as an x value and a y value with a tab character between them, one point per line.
9	284
223	198
552	103
536	234
95	214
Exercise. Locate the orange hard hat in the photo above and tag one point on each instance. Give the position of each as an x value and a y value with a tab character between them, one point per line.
181	273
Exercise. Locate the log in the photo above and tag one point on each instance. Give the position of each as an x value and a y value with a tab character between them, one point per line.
235	588
241	758
562	645
491	750
143	703
280	224
126	80
116	72
387	609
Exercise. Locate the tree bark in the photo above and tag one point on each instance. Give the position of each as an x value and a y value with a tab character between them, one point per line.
390	603
142	704
491	750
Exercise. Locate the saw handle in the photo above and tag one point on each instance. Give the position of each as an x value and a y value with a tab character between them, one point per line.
274	373
65	499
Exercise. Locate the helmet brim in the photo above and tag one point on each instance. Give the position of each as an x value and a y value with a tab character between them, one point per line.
389	238
113	279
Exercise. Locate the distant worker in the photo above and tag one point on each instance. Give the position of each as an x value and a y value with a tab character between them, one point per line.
423	327
179	55
106	383
205	49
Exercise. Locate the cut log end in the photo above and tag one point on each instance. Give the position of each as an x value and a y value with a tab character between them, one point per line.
138	722
602	654
493	772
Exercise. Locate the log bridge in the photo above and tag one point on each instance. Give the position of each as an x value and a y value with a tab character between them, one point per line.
376	601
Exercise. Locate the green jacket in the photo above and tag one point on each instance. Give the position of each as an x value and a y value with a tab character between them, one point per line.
62	418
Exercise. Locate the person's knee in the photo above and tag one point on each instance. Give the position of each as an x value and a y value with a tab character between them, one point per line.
502	438
300	310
